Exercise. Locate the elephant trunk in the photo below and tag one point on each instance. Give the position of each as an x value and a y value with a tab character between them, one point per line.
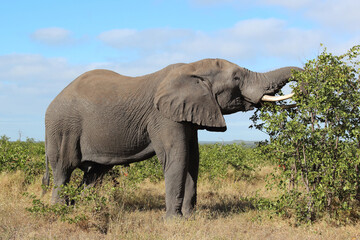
273	81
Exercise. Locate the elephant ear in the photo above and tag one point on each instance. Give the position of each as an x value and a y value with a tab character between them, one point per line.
188	98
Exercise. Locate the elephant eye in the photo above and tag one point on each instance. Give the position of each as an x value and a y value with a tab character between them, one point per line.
236	78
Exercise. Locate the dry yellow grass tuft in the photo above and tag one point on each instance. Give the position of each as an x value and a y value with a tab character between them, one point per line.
138	214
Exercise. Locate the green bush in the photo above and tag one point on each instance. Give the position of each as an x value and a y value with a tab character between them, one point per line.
316	144
27	156
149	169
226	161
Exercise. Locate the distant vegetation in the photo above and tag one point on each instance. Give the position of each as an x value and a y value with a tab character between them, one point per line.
239	142
218	161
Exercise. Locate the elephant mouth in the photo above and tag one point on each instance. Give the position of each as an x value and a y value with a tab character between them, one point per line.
244	104
238	104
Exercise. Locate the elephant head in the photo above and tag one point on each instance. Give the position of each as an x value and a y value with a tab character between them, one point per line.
202	92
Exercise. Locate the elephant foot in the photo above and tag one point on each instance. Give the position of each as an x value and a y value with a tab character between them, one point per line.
189	214
186	215
171	216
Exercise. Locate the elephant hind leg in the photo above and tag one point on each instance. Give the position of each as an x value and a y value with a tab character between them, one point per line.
64	156
61	178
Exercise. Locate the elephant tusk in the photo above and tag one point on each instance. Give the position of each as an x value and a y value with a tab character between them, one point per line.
268	98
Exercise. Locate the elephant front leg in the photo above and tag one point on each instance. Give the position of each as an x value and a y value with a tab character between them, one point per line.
190	195
177	149
175	175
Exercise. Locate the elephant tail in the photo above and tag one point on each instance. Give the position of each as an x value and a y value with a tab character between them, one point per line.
46	177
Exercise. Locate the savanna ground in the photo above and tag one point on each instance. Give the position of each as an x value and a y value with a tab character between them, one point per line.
130	202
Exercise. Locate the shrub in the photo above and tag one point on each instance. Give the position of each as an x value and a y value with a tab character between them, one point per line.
27	156
316	144
149	169
226	161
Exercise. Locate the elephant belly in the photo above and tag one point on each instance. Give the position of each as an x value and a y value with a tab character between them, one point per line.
112	147
119	158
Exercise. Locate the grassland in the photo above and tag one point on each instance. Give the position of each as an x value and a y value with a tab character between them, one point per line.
132	206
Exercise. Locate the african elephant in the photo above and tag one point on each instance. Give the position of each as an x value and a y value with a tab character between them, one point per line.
102	119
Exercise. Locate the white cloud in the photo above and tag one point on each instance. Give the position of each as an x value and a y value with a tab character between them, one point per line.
118	38
249	39
28	83
293	4
33	68
337	15
158	38
53	36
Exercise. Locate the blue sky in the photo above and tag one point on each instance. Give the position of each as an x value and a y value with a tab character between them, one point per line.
47	44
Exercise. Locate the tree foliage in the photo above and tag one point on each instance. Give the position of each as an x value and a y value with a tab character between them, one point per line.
316	144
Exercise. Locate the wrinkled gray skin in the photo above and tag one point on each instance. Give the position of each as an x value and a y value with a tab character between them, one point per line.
103	119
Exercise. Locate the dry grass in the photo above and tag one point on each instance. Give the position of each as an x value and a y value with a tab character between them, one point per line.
221	214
